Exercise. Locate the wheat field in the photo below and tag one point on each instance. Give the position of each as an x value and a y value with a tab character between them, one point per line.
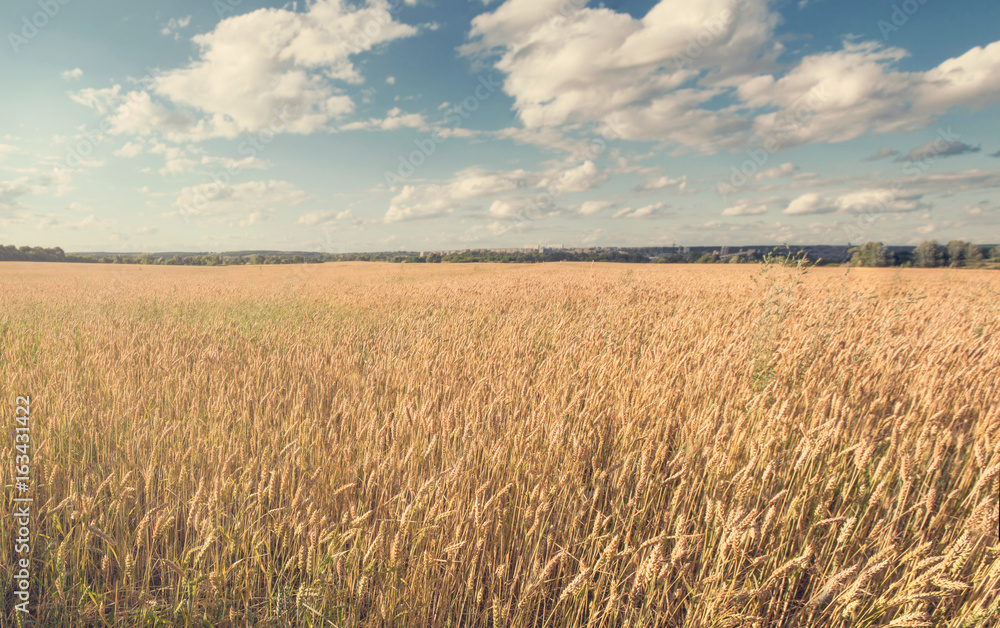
505	445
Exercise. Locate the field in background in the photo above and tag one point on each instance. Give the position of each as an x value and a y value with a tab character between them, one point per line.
478	445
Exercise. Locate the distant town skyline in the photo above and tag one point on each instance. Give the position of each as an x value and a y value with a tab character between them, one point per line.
335	126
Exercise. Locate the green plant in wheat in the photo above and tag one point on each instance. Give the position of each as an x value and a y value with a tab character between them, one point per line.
780	273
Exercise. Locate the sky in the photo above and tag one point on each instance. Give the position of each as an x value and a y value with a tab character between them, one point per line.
338	126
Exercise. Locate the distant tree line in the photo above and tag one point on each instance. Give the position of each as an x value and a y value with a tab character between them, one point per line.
10	253
927	254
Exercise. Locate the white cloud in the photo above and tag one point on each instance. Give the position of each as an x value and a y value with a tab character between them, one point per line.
841	95
175	24
130	149
663	182
235	165
177	166
425	201
327	216
84	223
868	201
590	208
255	65
745	207
72	75
784	170
586	176
810	203
268	69
7	149
643	212
395	119
240	203
652	78
391	80
519	207
472	184
596	64
79	207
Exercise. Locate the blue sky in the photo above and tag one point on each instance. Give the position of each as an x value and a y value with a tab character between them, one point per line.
428	125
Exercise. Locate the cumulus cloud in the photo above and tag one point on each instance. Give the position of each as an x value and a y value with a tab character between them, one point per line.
327	216
860	201
7	149
659	183
474	184
72	75
647	211
652	77
838	96
586	176
596	64
264	69
130	149
591	208
394	119
745	207
810	203
235	165
240	203
777	172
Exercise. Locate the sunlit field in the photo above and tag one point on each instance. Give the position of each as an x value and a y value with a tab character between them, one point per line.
504	445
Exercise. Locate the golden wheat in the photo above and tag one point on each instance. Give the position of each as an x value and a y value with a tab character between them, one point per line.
477	445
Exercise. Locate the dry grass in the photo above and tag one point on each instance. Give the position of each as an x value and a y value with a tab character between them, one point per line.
547	445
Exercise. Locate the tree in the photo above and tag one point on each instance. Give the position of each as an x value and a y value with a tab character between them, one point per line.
928	254
973	255
956	253
869	254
